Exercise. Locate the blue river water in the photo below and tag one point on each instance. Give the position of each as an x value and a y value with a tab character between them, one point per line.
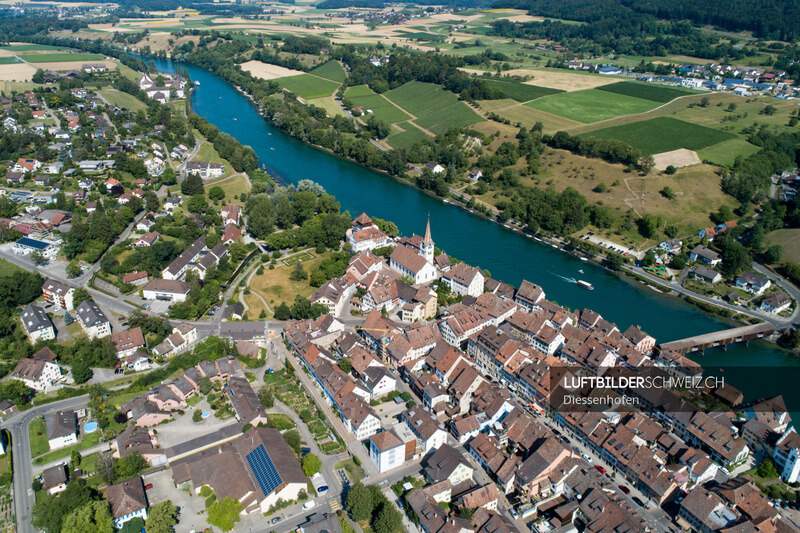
508	255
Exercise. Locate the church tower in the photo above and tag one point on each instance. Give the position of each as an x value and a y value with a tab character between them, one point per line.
427	243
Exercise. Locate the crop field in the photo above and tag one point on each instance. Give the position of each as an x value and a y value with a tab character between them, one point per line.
663	134
656	93
420	98
457	115
382	108
592	105
331	70
406	139
8	60
307	86
26	47
60	57
725	153
331	106
528	116
521	92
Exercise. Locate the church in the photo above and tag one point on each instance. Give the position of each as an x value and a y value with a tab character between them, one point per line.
413	257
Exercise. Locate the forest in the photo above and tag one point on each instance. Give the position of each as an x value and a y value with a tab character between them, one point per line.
769	19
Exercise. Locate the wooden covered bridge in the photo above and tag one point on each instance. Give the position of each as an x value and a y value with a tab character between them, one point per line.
725	337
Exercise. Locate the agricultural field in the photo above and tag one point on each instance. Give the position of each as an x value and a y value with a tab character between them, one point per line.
663	134
789	239
420	98
59	57
592	105
406	139
329	104
654	92
381	107
457	115
122	99
527	116
307	86
332	70
726	152
521	92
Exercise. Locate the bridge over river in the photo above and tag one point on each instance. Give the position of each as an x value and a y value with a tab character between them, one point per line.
715	339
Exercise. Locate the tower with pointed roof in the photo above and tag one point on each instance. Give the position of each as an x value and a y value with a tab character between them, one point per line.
427	243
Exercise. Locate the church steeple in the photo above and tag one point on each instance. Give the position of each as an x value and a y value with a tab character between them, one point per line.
427	243
427	240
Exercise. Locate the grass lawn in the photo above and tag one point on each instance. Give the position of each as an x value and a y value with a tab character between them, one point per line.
276	287
457	115
38	434
332	70
406	139
254	305
121	99
234	187
75	330
789	239
521	92
354	472
648	91
663	134
362	95
331	107
591	105
60	57
88	440
725	152
7	268
307	86
420	98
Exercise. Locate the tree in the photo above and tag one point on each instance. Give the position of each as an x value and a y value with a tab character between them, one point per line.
104	466
389	520
224	513
735	258
298	273
649	258
38	258
94	516
73	268
359	503
216	193
266	397
293	439
162	517
282	312
81	370
197	416
75	459
766	469
646	163
168	176
49	512
81	295
311	464
205	385
704	101
345	364
192	185
197	203
38	76
773	254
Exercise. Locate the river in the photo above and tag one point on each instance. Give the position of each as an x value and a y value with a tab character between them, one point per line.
508	255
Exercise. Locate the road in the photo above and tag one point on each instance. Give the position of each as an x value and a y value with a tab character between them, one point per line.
17	424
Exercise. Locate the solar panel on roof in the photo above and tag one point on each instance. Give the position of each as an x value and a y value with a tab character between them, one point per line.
263	469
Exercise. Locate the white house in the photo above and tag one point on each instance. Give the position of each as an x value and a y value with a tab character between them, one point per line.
62	429
168	290
36	374
379	381
386	450
128	501
58	294
37	324
776	303
92	320
430	433
27	245
464	279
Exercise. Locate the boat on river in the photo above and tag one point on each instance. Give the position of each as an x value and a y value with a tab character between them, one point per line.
585	284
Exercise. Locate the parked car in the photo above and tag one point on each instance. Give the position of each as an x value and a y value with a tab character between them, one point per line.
600	469
323	488
586	456
310	504
640	502
624	489
275	520
148	486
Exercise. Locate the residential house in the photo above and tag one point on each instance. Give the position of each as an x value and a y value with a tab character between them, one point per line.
54	479
37	324
92	320
128	341
136	278
752	283
128	500
168	290
464	279
62	429
776	303
702	254
386	450
707	274
36	374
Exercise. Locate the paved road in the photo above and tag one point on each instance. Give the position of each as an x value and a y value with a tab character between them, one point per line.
17	424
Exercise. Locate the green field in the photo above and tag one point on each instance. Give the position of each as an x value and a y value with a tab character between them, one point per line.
382	108
725	153
789	240
60	57
591	105
7	268
521	92
647	91
308	86
420	98
8	60
663	134
331	70
29	47
457	115
406	139
121	99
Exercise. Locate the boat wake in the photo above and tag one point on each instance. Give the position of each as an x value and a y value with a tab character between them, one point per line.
568	280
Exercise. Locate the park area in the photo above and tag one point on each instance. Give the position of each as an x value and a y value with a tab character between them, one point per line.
276	286
663	134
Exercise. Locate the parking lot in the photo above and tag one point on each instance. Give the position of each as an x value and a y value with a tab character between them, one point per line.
192	508
183	428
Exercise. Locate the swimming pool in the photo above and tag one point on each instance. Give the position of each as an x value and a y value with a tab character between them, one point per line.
90	427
